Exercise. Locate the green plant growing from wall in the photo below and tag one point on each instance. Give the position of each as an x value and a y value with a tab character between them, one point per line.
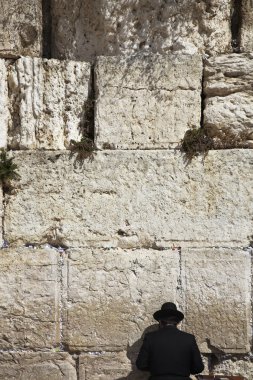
8	170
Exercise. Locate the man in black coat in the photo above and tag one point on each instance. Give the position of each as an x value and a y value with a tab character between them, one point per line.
168	353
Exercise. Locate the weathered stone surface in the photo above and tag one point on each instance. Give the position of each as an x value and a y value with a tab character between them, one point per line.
104	366
147	103
111	295
229	97
29	309
246	40
131	199
1	216
234	366
84	29
3	105
217	290
47	102
20	28
108	366
37	366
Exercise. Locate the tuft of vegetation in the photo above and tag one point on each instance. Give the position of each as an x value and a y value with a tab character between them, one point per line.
8	170
194	142
197	141
84	148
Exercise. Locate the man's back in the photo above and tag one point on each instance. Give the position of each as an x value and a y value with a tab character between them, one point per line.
170	352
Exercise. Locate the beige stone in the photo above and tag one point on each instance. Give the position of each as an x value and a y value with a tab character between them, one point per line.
216	285
235	366
1	215
20	28
246	40
83	29
112	365
29	311
147	103
229	96
3	105
37	366
111	295
131	199
47	102
104	366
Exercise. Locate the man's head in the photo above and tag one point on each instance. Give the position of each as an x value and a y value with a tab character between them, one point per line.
169	321
168	314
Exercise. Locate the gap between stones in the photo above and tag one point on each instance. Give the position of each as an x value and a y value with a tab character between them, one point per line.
236	25
203	96
46	29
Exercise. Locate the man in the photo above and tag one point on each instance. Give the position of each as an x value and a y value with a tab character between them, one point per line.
168	353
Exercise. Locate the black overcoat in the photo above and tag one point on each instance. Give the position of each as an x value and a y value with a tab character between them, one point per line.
169	354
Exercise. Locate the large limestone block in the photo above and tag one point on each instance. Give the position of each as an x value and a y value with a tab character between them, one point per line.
234	366
229	96
131	199
104	366
246	39
20	28
29	302
217	294
111	295
48	101
83	29
4	112
37	366
147	103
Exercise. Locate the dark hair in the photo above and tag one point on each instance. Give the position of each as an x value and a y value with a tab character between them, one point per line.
169	321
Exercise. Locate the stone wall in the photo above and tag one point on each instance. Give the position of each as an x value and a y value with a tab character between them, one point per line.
109	218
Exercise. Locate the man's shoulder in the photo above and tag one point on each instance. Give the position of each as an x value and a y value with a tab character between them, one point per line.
153	334
186	335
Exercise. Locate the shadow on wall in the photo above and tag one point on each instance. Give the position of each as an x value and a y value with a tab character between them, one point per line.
132	352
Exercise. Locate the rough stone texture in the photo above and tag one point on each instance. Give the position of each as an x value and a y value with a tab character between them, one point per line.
3	105
29	305
235	366
229	96
48	101
83	29
1	215
104	366
217	290
112	365
246	26
111	295
131	199
37	366
147	103
20	28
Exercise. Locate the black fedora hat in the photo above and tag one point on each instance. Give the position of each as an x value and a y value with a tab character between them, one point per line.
168	309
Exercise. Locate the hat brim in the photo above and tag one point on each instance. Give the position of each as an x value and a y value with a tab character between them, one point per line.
160	314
